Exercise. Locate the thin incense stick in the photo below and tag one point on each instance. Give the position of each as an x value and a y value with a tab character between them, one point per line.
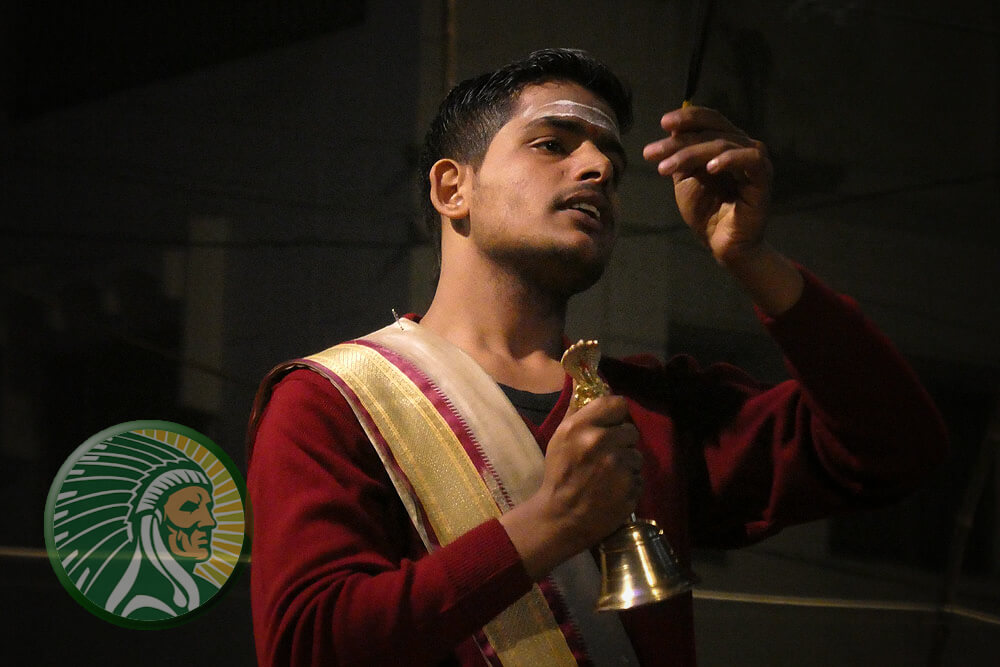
704	14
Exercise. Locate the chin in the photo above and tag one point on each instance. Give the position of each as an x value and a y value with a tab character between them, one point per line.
564	270
567	273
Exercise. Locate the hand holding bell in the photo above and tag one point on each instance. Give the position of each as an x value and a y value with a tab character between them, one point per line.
638	566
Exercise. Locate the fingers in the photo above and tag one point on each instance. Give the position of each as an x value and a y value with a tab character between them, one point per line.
593	470
704	139
602	428
719	155
751	162
664	148
630	459
694	119
747	165
621	475
606	430
694	151
629	465
635	490
605	411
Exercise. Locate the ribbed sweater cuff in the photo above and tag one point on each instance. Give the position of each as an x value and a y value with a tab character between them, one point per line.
483	565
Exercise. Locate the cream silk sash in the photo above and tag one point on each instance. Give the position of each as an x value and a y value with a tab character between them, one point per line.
459	454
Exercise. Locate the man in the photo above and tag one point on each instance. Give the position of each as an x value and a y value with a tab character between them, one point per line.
365	554
172	522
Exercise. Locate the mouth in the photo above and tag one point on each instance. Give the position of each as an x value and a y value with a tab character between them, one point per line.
589	209
593	207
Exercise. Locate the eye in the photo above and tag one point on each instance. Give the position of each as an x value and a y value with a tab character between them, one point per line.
550	146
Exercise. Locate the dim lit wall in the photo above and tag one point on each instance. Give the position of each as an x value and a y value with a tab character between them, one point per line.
268	196
163	246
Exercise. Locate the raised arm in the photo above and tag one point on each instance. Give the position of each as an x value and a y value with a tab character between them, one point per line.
853	427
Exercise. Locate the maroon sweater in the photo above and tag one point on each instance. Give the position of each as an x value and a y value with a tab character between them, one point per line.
340	577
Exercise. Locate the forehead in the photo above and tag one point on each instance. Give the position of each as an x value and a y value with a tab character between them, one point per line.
537	95
567	105
190	493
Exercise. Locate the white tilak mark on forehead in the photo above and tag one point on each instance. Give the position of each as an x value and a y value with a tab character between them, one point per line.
571	109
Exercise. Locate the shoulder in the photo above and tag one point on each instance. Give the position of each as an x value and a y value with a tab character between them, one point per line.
305	389
293	391
300	408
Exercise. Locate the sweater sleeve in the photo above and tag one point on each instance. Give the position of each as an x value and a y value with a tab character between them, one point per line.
853	427
337	577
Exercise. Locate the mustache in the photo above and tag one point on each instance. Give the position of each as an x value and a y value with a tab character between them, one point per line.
585	193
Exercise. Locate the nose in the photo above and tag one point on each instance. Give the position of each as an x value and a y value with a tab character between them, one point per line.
594	164
205	518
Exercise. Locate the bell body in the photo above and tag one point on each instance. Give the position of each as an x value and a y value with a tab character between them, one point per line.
639	567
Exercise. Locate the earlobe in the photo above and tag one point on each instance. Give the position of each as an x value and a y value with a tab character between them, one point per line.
447	178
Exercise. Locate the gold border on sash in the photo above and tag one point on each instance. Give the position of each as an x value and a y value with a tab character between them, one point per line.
454	496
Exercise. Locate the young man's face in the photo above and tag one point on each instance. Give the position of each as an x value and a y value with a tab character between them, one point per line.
544	202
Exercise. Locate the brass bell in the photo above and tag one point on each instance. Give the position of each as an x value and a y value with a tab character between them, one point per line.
638	565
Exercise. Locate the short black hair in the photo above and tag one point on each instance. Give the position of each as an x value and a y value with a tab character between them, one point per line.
475	110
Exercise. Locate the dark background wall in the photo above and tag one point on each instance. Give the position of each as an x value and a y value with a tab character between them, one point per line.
193	194
235	191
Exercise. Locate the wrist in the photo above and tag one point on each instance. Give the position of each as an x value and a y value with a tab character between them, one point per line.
771	279
540	541
744	257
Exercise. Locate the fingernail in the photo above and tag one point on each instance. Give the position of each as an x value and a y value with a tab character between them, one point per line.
712	165
667	165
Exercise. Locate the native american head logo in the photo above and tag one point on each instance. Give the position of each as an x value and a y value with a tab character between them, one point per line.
145	523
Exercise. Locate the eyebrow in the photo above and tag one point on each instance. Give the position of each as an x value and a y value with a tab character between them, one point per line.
605	140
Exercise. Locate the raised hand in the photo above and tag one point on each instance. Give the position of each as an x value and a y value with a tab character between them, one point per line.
722	179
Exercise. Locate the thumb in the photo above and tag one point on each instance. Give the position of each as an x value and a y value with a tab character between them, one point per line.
571	408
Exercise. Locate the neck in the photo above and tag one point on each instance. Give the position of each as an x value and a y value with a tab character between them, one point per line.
512	329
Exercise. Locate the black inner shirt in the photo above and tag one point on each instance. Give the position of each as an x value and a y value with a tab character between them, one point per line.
535	407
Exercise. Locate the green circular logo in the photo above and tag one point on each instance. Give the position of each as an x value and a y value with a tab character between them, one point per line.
145	524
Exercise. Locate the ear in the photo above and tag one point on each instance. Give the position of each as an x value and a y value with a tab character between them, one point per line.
448	180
